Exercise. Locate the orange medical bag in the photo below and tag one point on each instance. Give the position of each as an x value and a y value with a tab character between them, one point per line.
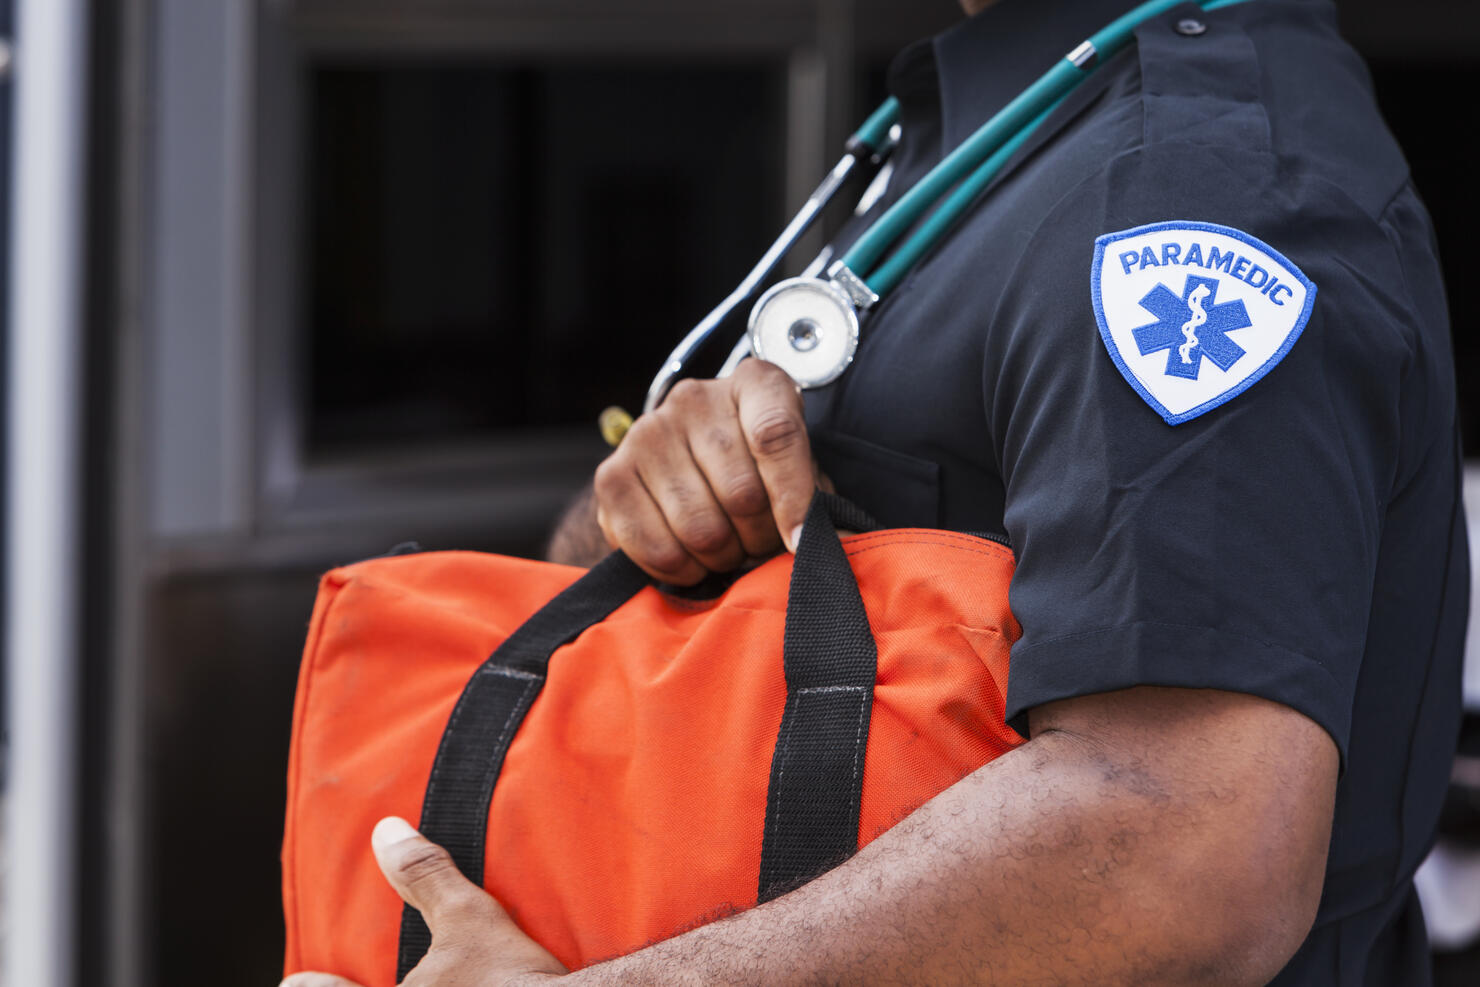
629	763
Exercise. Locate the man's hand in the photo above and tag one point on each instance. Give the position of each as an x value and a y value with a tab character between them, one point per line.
473	939
718	475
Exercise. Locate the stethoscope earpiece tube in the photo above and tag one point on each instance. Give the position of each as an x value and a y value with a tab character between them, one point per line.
808	325
873	137
868	148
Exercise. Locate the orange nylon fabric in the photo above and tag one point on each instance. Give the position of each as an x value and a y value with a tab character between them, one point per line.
631	804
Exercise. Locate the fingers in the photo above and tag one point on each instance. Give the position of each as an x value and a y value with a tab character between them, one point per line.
770	411
424	874
309	978
722	454
711	478
632	520
656	497
676	479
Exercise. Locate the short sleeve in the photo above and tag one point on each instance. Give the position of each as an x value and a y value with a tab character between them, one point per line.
1234	550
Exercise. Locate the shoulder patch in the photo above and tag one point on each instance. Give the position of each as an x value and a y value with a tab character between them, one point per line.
1194	313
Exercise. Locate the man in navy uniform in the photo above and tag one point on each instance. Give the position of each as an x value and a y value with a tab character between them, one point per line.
1191	355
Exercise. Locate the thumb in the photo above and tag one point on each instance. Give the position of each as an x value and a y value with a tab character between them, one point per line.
773	420
422	873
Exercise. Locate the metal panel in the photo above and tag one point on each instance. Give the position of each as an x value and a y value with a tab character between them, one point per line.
199	380
43	502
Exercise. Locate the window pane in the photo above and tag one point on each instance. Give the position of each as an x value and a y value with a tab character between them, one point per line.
495	245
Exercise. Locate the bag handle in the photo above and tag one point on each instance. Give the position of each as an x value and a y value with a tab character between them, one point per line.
816	783
831	664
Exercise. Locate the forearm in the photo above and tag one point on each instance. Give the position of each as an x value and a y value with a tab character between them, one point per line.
577	539
1058	863
994	881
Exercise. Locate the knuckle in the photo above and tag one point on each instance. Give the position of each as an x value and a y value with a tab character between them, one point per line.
638	433
720	439
464	913
743	496
703	533
611	476
603	475
425	863
651	439
769	376
776	431
650	431
771	372
747	370
758	370
665	556
686	393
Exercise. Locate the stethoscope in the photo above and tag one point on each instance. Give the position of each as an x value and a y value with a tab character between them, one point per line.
809	325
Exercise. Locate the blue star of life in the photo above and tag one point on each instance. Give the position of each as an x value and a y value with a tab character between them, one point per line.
1230	286
1192	326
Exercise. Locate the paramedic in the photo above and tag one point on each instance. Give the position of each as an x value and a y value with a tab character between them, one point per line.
1241	575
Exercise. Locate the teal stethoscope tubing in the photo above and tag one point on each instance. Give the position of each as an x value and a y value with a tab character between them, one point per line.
867	148
970	168
981	157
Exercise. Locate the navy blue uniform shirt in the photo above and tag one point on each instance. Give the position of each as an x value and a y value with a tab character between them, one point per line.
1300	537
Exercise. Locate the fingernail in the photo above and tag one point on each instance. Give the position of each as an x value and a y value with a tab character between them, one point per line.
796	537
391	829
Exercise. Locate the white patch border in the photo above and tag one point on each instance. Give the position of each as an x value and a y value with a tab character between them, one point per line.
1103	242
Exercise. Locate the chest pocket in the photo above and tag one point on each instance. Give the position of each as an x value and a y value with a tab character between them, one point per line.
900	490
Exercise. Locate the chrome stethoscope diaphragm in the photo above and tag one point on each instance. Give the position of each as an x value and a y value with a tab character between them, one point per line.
807	327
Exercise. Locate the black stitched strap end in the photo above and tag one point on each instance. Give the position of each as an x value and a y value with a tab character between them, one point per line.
831	663
816	786
467	766
487	716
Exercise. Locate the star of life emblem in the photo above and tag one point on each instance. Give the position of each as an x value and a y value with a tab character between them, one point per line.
1193	314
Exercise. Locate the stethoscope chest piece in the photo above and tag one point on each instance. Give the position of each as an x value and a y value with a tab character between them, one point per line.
807	327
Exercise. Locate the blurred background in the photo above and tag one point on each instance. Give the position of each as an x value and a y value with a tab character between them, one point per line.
294	281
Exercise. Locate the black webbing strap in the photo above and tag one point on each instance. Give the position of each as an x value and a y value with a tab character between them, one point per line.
485	719
817	768
831	663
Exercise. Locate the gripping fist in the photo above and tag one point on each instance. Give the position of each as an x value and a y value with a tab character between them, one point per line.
720	474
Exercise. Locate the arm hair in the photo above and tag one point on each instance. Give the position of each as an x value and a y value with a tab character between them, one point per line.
1148	836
